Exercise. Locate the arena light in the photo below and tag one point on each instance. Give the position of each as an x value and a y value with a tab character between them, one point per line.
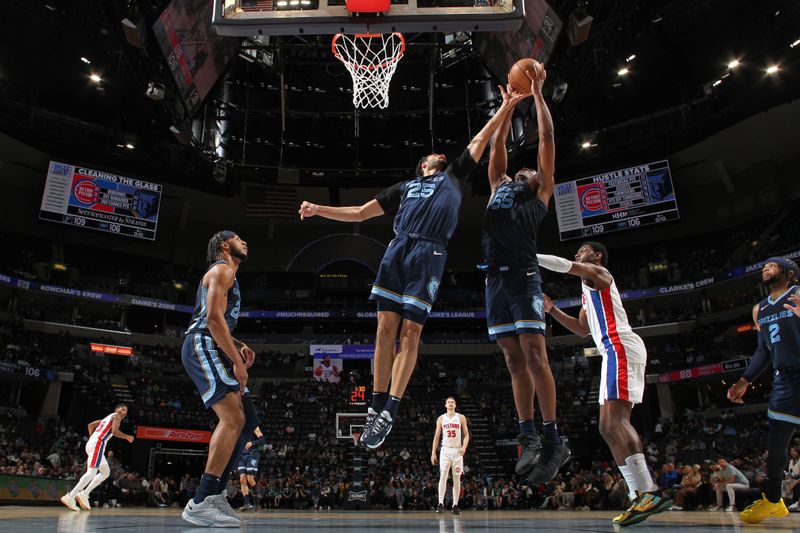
85	60
622	72
797	42
630	58
733	64
61	267
772	69
716	83
95	78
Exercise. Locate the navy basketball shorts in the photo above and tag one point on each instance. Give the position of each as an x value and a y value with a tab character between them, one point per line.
783	401
244	462
210	370
409	277
514	303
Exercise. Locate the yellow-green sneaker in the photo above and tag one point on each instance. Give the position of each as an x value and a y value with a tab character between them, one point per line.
646	504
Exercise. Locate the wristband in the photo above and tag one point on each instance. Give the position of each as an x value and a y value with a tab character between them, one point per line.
554	263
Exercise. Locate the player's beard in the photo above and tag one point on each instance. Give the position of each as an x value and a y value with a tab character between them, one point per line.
773	279
437	166
239	254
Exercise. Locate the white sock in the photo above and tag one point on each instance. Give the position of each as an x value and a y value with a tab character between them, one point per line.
638	468
630	480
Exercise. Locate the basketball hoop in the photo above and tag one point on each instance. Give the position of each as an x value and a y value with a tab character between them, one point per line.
371	59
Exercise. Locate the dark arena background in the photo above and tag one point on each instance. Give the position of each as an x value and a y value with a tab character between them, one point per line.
133	130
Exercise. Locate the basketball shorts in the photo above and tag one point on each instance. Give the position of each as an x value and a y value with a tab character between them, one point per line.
783	401
95	453
409	277
248	463
621	380
514	303
450	458
210	370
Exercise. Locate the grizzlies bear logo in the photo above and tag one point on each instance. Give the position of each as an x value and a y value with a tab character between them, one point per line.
538	306
433	286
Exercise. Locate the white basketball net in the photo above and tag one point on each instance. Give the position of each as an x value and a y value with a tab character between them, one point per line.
371	59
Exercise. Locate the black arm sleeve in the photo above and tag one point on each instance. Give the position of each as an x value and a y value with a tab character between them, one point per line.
259	441
759	362
389	199
461	167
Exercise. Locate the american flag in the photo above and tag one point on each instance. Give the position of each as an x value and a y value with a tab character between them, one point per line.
270	201
256	5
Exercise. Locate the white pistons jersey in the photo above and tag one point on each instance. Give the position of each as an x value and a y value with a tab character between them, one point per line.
451	431
623	351
103	430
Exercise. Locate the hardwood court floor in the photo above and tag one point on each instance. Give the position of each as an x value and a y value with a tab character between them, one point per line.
42	519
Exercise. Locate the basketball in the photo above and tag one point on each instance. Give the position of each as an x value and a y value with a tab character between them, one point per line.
518	75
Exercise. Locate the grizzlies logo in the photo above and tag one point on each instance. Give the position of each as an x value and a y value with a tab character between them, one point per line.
538	306
433	286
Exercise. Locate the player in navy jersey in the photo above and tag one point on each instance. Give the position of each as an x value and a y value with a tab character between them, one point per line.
218	363
426	210
248	468
514	303
777	319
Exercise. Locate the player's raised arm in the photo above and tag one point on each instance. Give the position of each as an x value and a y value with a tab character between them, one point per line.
599	277
545	174
498	156
356	213
220	280
482	138
436	437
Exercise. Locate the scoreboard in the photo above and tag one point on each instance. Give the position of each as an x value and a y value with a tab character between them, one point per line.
88	198
622	199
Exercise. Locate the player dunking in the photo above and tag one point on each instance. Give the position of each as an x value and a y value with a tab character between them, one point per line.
408	279
218	363
97	470
514	304
248	468
622	374
452	428
777	318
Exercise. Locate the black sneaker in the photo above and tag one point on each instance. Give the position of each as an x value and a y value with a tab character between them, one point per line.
440	508
456	510
531	448
371	416
553	457
379	430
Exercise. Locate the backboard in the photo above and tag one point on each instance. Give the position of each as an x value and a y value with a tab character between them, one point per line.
247	18
348	423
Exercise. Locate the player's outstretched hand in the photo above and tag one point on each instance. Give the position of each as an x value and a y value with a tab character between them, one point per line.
795	299
548	303
248	445
248	355
240	373
307	210
537	80
737	390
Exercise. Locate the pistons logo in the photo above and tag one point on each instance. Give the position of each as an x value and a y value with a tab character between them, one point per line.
458	470
592	199
86	192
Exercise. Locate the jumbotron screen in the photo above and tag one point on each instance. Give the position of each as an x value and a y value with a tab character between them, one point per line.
622	199
88	198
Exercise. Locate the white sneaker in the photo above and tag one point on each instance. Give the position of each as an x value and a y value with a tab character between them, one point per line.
69	502
221	501
795	507
713	508
83	501
676	508
207	514
730	508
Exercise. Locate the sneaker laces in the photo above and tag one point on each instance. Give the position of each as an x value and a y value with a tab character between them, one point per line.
380	425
